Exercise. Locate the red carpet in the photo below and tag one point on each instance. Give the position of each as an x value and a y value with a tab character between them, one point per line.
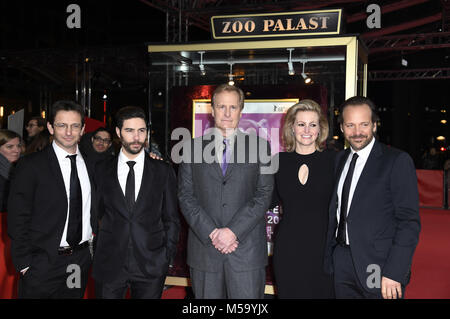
174	293
430	269
430	276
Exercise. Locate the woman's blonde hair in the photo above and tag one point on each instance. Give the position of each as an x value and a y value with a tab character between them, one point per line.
302	106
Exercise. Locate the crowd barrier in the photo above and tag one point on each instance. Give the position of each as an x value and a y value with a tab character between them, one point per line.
433	188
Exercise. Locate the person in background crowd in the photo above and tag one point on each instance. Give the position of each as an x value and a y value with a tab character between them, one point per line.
374	221
35	125
101	140
10	149
447	165
51	219
303	186
97	146
447	176
431	159
39	142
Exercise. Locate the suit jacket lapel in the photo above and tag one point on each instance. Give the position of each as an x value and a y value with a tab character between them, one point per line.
237	158
364	178
90	170
339	167
233	160
118	193
147	180
216	169
56	169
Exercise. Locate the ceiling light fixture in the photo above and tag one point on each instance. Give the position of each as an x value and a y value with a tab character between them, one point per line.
305	77
230	75
290	64
201	65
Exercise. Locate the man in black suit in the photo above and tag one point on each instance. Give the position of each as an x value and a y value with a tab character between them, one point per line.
138	216
374	220
50	215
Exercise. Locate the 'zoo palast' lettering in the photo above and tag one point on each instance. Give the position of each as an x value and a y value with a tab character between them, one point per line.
276	25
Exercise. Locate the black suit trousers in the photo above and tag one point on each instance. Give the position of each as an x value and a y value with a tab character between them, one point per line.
131	276
346	282
57	279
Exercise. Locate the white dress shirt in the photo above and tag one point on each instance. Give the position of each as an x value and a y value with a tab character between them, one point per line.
363	155
123	169
66	168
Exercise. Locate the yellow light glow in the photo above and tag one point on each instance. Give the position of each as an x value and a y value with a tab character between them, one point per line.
2	110
444	121
440	138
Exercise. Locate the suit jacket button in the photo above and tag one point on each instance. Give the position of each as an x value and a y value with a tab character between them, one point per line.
224	183
224	205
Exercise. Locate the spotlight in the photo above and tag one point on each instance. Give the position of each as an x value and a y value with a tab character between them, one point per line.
304	76
183	67
444	121
290	64
201	65
404	62
105	96
291	68
440	138
230	75
202	69
230	79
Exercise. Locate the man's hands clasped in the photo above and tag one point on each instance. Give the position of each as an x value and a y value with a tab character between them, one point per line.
224	240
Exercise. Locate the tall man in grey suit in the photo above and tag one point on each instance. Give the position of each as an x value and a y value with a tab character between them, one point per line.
224	201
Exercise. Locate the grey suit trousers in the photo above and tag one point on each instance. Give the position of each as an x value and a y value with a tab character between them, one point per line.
228	283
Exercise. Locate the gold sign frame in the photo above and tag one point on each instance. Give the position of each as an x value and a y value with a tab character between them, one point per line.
282	24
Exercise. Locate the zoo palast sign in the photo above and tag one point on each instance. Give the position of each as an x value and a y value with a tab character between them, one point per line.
321	22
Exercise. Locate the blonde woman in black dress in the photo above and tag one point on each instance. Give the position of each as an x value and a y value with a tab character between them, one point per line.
303	187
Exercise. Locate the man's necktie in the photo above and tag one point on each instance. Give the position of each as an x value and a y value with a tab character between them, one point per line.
341	235
224	156
129	188
75	226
